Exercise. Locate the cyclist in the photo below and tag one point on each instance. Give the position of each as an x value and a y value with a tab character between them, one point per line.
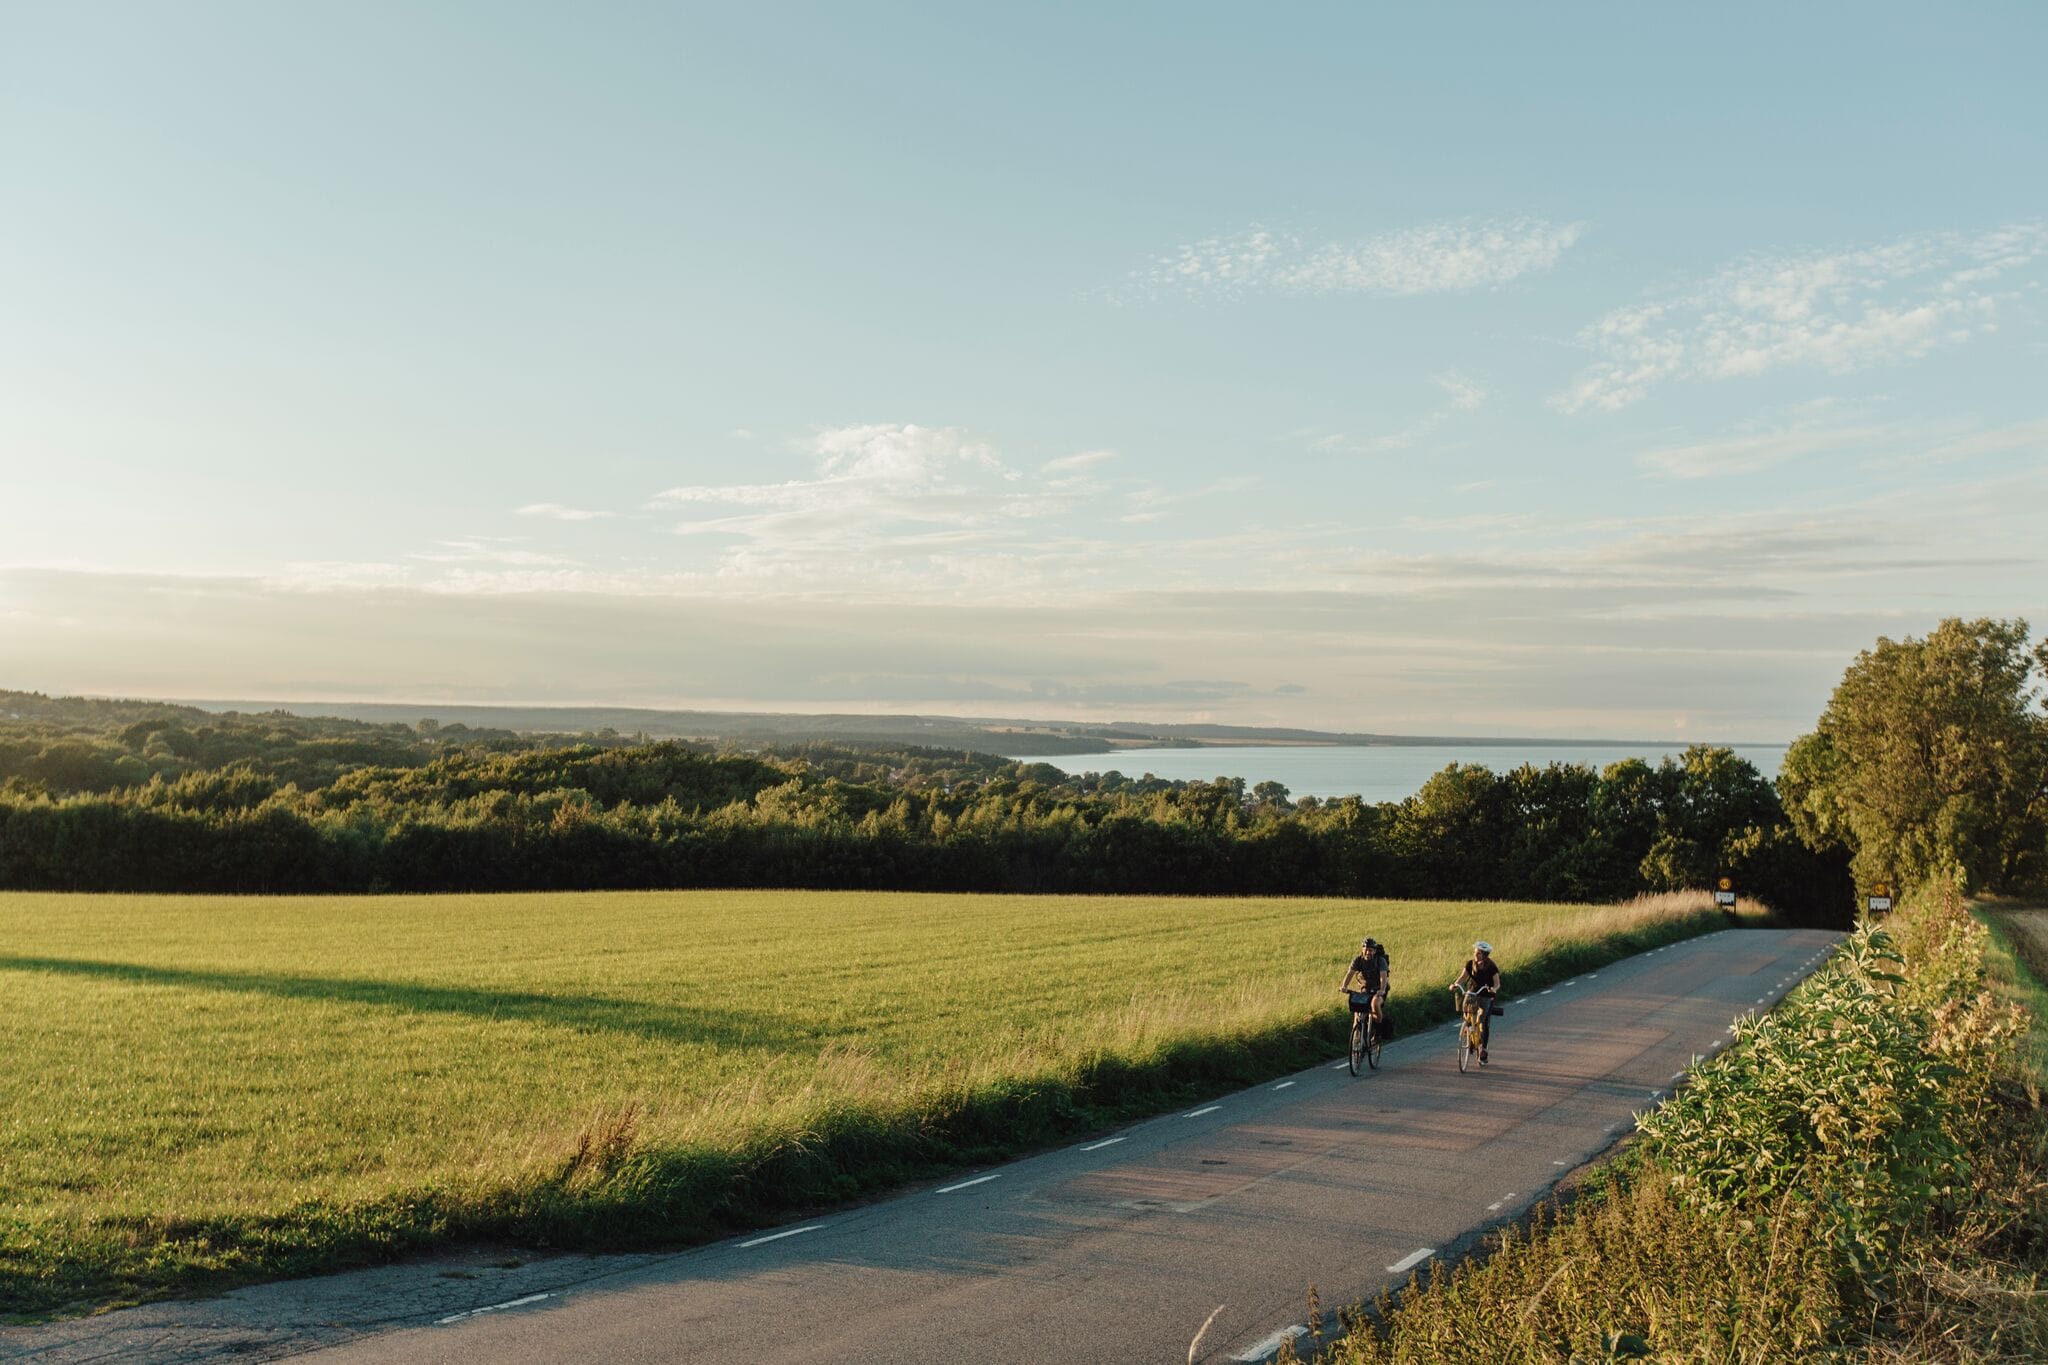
1480	980
1374	975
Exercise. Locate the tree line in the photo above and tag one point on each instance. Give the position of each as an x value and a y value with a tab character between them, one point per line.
1929	762
670	814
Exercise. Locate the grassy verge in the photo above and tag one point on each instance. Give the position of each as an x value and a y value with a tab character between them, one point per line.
1860	1178
2017	967
207	1090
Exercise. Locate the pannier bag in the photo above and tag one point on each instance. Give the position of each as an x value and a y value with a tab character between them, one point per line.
1361	1000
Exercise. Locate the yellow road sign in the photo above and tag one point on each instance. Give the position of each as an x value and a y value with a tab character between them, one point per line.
1727	883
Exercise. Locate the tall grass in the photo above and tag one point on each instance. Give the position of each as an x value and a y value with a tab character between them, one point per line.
2017	968
1860	1177
207	1089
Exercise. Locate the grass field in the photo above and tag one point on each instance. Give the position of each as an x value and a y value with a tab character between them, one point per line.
201	1090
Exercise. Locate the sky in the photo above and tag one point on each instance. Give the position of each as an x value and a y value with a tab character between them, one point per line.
1582	370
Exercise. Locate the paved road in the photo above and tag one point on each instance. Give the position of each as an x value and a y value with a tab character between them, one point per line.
1116	1248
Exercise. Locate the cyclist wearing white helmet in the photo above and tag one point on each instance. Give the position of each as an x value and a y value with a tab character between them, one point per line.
1480	980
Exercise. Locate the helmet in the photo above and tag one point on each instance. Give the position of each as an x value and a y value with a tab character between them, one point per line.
1370	943
1483	947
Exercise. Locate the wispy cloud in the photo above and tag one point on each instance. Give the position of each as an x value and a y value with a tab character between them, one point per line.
2016	438
555	511
1152	503
1835	310
1434	258
494	550
328	575
1749	452
1892	446
1462	395
1465	395
1073	464
881	500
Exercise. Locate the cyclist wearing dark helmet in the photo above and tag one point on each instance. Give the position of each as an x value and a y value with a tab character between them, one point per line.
1480	979
1374	975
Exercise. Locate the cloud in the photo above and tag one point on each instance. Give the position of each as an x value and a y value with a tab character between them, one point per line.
327	575
1465	395
488	550
1746	454
881	502
1887	446
1461	395
1386	443
1593	640
2018	437
1074	464
1472	523
1434	258
1835	310
556	511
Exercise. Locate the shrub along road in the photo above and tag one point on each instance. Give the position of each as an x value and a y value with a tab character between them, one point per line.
1119	1247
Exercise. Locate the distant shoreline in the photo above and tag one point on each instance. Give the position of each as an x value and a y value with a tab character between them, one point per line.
1006	737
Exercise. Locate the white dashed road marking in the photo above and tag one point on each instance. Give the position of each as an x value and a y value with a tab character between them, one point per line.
1098	1146
1284	1084
511	1303
1265	1346
1210	1108
1411	1260
978	1180
778	1236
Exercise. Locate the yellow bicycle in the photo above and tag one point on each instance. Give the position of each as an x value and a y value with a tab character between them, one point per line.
1472	1028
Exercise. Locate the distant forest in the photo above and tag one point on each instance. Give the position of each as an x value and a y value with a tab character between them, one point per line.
138	796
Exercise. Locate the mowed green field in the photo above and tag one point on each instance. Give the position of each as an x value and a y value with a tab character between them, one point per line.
200	1090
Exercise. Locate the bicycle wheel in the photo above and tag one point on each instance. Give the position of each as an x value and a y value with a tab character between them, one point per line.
1357	1039
1375	1039
1466	1052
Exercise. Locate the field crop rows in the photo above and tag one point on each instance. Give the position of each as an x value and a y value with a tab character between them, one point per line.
206	1089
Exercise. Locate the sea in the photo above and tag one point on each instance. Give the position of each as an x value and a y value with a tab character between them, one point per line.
1378	772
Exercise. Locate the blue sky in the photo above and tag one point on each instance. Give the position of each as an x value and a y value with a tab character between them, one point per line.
1589	370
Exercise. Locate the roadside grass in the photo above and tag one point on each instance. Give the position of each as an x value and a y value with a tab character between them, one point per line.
2018	968
1981	1293
202	1091
1860	1178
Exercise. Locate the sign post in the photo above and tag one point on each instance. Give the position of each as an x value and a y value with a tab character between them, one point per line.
1724	893
1880	898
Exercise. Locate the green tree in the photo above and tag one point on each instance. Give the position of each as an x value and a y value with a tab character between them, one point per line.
1931	759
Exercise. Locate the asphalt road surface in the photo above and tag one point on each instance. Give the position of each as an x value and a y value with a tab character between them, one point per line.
1117	1248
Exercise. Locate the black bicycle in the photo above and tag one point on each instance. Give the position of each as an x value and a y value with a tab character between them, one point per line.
1367	1033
